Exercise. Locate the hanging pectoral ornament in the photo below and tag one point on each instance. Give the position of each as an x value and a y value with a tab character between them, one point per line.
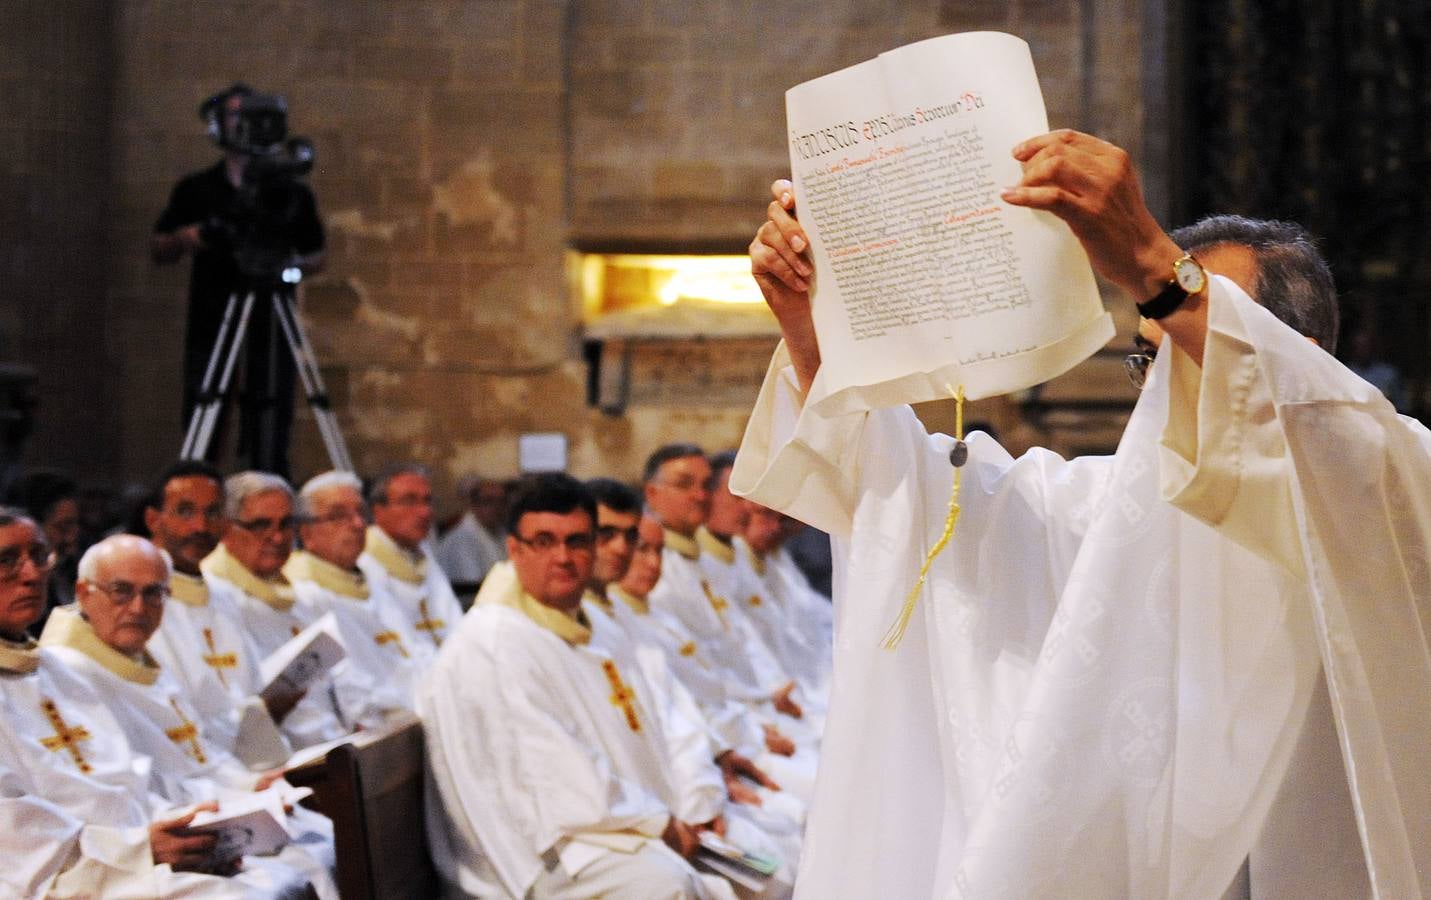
958	456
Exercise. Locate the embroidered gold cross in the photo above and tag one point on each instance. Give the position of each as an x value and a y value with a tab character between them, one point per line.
621	695
430	625
391	637
186	732
754	600
216	660
717	603
65	737
688	648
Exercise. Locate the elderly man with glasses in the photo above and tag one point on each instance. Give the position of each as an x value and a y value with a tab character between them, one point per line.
120	599
375	681
79	814
247	568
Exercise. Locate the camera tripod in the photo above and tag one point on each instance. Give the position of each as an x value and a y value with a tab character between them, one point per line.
223	357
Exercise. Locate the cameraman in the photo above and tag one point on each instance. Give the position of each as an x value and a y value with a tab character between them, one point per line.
199	219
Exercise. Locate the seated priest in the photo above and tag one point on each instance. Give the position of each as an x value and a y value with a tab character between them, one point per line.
203	642
376	679
119	602
677	490
397	561
552	779
78	817
469	549
247	566
625	540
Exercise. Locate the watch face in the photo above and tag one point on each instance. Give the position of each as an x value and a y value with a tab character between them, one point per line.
1189	274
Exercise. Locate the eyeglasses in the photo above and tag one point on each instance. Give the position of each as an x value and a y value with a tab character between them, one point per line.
264	527
1137	366
362	514
12	559
545	541
187	512
607	533
122	593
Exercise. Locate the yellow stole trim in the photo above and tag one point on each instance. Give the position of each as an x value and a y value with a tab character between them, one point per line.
190	590
20	658
713	545
602	601
638	604
399	562
67	628
275	592
304	566
683	545
571	627
756	560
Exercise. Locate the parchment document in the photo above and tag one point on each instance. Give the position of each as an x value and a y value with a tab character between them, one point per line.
925	279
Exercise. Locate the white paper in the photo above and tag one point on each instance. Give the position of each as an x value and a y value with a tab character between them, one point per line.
250	826
926	280
542	451
310	653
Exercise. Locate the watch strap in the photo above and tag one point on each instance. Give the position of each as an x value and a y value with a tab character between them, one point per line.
1165	303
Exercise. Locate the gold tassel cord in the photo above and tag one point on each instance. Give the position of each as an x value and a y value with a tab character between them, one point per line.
951	521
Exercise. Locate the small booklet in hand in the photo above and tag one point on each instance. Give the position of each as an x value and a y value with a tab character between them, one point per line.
747	869
250	826
294	666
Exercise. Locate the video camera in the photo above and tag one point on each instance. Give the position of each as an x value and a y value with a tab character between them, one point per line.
257	229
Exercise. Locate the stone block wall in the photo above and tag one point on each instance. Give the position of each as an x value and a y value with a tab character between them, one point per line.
463	147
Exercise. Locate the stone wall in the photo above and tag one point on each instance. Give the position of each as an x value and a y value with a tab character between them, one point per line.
464	146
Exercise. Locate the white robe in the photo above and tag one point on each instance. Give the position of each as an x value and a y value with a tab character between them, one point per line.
186	766
532	758
427	610
270	625
468	551
1099	695
377	678
76	823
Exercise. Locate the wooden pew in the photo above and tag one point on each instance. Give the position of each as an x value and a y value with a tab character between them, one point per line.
373	792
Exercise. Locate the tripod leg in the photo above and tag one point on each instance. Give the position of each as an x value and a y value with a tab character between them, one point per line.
307	364
201	402
209	416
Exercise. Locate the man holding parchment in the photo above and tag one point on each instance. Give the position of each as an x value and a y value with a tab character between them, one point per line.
1194	668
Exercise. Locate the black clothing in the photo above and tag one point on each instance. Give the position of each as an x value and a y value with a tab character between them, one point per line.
267	374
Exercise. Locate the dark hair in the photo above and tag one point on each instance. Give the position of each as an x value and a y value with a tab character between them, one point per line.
38	492
553	492
1294	282
9	515
615	495
184	468
720	462
665	454
378	487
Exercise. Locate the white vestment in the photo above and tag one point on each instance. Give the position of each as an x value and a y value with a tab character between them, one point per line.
186	766
75	804
271	618
202	644
1099	694
541	753
427	610
468	551
377	677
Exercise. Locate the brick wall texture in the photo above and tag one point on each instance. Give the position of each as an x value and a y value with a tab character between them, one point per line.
464	146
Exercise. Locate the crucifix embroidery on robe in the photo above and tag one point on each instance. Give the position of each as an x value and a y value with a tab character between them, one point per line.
430	625
187	732
754	600
621	695
65	737
391	637
717	602
216	660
